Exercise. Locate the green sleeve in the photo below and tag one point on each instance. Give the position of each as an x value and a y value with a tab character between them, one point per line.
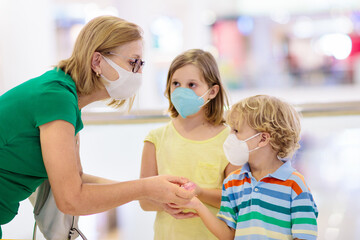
56	102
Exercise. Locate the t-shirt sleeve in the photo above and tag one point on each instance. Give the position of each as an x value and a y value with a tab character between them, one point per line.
303	216
228	211
152	137
56	103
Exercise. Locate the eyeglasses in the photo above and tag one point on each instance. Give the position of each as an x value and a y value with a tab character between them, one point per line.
137	63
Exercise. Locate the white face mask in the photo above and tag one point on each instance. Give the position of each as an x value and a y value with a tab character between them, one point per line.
125	86
237	151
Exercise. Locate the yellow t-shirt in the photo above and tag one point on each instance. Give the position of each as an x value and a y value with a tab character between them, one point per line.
203	162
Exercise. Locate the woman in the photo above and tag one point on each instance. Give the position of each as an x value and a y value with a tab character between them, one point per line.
40	120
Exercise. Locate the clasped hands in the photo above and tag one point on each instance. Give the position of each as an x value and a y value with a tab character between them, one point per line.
173	194
183	211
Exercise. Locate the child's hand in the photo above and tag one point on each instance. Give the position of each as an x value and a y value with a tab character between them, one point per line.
194	203
177	212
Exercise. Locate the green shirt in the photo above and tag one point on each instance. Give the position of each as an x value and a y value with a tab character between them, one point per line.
52	96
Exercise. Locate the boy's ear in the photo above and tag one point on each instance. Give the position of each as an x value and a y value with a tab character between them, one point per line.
265	139
214	91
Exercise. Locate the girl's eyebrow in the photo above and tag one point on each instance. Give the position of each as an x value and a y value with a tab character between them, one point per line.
195	80
191	80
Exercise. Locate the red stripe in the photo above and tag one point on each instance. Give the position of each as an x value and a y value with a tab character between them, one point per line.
288	183
236	182
301	177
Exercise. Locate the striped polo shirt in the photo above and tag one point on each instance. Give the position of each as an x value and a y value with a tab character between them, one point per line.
279	206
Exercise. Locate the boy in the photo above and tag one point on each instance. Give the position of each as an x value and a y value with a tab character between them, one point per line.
266	198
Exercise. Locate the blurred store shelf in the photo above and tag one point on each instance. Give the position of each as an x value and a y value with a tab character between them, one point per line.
315	109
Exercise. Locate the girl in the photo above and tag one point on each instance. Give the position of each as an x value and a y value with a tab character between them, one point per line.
190	145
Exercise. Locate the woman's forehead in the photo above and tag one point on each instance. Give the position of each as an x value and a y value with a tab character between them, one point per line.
133	49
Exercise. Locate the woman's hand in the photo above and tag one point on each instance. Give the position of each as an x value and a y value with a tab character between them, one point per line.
166	189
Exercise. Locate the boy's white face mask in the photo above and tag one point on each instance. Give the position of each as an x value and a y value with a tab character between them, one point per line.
237	151
125	86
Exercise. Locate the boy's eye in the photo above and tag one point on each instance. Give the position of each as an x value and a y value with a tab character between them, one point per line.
235	131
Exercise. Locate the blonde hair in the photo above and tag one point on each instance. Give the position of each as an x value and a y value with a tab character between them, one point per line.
207	65
101	34
269	114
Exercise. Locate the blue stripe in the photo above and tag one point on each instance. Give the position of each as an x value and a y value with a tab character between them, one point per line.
305	195
276	194
233	195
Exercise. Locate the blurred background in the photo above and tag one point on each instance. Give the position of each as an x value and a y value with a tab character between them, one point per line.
305	52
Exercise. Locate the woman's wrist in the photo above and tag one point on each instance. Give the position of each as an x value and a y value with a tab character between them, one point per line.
144	189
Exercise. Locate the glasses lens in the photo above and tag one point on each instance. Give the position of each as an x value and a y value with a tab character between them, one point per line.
138	64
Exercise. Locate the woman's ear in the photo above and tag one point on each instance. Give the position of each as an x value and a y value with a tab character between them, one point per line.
95	62
265	139
214	91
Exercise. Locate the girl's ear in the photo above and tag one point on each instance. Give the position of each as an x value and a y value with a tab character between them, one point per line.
265	139
95	62
214	91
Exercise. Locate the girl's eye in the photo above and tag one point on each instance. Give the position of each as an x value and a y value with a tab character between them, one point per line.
176	84
192	85
235	131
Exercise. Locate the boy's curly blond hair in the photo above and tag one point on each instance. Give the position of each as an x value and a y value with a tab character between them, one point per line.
268	114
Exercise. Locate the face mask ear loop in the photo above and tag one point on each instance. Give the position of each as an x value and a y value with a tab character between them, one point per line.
254	149
203	96
110	62
252	138
205	93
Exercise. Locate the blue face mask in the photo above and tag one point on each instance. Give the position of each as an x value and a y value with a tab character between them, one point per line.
186	102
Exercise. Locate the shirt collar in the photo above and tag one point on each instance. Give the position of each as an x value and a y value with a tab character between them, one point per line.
245	168
282	173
